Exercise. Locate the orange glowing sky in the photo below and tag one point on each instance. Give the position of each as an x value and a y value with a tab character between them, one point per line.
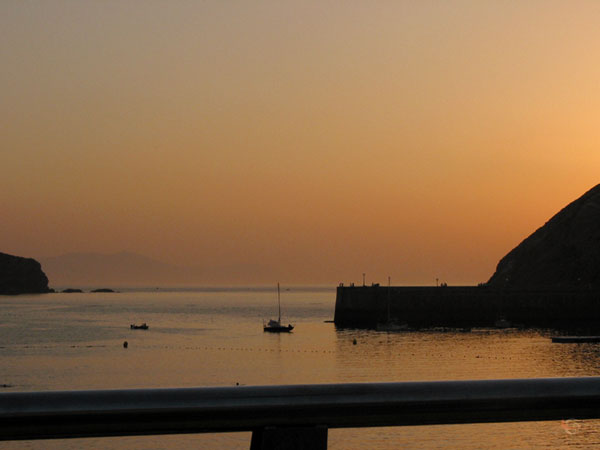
317	139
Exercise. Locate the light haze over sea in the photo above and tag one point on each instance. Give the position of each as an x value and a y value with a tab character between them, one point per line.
214	337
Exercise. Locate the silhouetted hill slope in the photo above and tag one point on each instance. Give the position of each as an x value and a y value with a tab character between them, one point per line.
565	252
21	275
117	269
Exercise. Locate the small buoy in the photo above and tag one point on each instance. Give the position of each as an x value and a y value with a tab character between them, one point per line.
354	342
125	344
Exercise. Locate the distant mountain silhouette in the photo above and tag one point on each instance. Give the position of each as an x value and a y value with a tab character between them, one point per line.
131	269
117	269
564	253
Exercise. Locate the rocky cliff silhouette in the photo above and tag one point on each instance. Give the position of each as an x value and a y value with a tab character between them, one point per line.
564	253
21	276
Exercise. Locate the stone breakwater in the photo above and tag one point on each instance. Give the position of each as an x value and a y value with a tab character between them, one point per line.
466	307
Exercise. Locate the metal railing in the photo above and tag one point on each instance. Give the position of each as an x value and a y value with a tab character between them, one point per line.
305	412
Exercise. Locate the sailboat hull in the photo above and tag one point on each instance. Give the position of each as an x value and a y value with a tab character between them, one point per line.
278	329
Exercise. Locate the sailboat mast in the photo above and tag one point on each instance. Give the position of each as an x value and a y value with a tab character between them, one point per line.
388	299
279	302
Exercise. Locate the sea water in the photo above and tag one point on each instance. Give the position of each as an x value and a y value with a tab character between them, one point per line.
214	337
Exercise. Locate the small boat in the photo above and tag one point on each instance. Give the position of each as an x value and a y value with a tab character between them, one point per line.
574	339
274	326
143	326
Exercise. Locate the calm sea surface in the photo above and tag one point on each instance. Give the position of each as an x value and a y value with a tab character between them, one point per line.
215	338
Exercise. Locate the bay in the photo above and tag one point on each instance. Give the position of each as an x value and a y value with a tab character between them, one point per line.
214	337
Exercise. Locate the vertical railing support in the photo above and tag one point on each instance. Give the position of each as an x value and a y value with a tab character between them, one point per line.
289	438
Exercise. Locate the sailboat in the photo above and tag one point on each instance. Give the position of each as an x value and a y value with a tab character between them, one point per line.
274	326
390	324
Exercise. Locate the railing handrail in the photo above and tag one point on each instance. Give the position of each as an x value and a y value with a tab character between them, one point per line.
93	413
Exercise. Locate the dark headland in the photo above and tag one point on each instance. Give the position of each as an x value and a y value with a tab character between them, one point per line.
20	275
551	279
564	253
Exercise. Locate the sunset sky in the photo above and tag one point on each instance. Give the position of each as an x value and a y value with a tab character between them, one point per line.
315	139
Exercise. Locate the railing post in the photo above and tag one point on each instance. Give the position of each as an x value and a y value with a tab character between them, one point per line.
289	438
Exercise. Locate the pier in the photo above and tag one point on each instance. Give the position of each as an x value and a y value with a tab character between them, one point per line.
575	339
466	306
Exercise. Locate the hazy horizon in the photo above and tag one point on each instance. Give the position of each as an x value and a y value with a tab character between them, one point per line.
132	270
311	141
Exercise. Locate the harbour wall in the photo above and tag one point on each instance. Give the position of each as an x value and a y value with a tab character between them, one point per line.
466	306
